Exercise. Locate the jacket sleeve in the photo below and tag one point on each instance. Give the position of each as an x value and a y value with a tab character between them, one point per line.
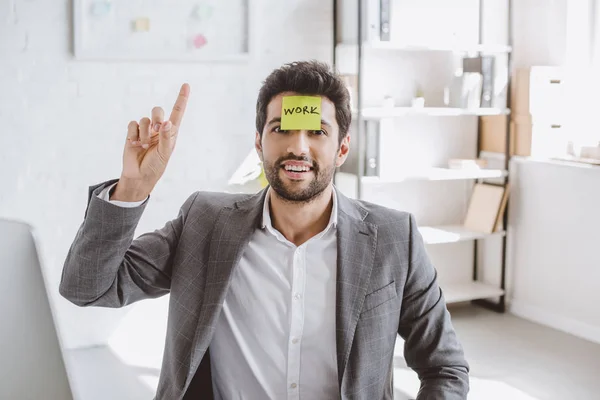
105	267
431	346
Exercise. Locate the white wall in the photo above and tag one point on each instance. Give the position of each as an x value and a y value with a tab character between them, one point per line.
554	238
553	262
64	125
539	32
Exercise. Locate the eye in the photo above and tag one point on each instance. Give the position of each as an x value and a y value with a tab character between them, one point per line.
319	132
278	129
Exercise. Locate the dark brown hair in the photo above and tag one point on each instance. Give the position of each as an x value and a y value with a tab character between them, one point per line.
312	78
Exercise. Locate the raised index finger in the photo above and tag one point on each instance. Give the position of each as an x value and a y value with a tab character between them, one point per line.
180	104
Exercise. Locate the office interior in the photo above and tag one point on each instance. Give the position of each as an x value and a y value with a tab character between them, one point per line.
479	117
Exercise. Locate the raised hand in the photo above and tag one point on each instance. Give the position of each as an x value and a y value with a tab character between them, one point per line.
149	146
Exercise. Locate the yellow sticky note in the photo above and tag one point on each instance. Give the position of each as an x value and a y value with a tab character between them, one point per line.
301	112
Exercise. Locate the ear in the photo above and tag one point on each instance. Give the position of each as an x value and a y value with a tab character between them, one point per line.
258	146
343	151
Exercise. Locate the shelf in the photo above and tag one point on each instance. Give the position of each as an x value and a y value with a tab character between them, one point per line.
374	113
455	293
439	174
474	48
452	234
492	155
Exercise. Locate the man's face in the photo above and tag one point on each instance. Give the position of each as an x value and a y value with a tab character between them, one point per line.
299	164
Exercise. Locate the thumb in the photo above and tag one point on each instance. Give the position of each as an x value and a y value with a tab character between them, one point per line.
166	140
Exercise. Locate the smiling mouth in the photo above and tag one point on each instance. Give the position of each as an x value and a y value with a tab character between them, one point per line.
297	168
297	172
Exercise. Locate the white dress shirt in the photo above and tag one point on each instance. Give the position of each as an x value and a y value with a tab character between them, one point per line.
275	338
104	195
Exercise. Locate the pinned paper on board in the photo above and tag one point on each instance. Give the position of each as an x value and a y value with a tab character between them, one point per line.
199	41
100	8
141	25
301	112
201	12
196	30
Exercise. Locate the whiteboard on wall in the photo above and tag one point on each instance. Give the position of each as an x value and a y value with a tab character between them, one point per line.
162	30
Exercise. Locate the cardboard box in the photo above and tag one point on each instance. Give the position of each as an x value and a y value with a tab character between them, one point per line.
521	128
539	91
493	134
527	137
548	140
538	138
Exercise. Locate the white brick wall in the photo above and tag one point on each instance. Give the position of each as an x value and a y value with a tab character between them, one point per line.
64	125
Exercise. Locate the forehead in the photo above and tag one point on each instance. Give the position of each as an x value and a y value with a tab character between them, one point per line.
274	107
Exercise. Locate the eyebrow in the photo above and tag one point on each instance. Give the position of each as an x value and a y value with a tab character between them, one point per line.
277	119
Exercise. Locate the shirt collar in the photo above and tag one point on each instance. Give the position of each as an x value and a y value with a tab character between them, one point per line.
266	218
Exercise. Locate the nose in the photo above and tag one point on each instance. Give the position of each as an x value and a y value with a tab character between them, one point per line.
298	144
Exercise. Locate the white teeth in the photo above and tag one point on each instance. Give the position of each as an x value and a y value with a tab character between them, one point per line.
297	168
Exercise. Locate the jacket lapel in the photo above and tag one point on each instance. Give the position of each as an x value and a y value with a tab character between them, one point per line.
232	232
356	241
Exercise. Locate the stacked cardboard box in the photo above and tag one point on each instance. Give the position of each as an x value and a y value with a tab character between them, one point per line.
493	134
537	115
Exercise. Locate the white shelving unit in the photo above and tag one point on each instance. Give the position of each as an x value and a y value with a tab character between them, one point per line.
452	234
430	174
458	48
456	293
354	50
376	113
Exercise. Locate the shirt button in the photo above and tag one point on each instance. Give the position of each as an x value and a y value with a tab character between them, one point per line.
293	386
295	340
297	296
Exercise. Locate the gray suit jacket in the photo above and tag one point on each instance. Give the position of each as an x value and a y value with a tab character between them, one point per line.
386	286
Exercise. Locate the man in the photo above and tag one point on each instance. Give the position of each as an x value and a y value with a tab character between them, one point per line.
296	292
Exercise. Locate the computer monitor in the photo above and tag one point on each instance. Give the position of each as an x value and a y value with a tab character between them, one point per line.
31	362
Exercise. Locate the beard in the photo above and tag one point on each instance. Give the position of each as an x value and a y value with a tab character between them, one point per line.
322	178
